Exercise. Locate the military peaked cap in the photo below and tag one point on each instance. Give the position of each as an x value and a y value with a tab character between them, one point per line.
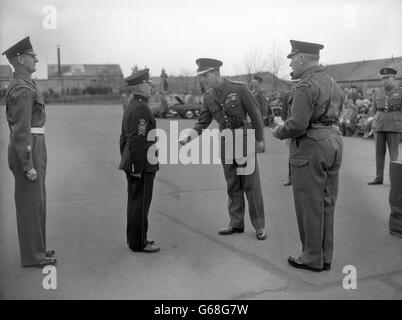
206	64
304	47
19	48
139	77
387	72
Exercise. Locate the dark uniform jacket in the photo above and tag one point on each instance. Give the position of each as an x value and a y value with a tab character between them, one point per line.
309	101
25	109
229	105
137	122
387	107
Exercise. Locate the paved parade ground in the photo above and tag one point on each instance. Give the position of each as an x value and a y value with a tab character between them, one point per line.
86	210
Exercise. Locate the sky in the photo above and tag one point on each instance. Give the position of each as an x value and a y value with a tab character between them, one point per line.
174	33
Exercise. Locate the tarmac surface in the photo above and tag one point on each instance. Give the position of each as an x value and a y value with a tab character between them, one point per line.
86	223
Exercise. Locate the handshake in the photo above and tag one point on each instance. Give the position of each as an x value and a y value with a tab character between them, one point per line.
278	121
184	140
186	136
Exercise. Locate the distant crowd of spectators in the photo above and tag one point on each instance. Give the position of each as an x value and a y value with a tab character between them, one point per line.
355	118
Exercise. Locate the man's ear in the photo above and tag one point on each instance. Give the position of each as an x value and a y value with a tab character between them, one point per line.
20	60
302	59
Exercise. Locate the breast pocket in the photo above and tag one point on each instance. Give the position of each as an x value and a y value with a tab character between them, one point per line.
216	113
395	101
233	107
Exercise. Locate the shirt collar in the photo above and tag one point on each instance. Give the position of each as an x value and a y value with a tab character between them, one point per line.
24	76
311	70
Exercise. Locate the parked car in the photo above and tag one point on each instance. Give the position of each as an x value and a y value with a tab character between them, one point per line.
188	109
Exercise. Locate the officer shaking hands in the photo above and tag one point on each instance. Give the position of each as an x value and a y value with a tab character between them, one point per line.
135	142
315	154
229	103
27	155
387	122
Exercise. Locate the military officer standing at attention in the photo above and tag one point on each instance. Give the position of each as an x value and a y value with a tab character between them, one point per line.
315	154
387	122
229	103
258	93
27	156
140	173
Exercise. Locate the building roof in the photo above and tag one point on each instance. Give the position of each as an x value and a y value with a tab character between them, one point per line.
84	70
363	70
5	72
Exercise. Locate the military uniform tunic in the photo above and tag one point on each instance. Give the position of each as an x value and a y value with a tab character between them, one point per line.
387	125
25	109
315	157
137	122
262	102
229	105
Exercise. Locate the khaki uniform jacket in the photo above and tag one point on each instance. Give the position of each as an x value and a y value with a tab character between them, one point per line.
25	109
391	120
230	105
308	103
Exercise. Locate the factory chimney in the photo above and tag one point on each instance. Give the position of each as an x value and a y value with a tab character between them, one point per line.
58	60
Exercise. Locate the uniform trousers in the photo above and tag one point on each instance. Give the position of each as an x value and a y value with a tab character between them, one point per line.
139	200
30	202
382	139
315	162
237	186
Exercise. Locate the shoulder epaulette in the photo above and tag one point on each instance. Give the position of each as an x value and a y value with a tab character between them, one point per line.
303	84
12	89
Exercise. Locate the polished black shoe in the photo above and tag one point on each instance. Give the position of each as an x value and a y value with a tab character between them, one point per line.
151	248
43	263
296	263
327	267
230	230
261	234
375	181
50	253
287	183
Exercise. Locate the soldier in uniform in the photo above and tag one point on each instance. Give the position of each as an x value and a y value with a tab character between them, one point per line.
27	157
259	95
387	122
140	171
315	154
229	103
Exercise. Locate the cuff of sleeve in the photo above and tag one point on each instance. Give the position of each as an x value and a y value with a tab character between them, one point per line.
26	167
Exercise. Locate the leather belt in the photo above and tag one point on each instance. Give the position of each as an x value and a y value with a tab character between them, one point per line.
230	126
38	130
321	126
388	109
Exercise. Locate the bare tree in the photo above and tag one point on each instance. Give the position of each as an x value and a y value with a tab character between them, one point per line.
255	61
185	78
276	61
